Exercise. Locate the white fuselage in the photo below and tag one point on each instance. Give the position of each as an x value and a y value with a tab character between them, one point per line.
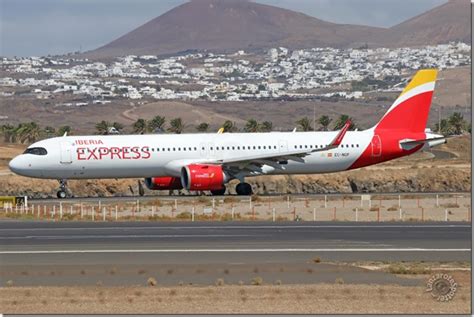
137	156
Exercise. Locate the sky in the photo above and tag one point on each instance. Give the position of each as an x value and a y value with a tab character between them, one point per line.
42	27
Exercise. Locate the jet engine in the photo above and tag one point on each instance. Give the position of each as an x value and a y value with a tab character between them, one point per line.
203	177
163	183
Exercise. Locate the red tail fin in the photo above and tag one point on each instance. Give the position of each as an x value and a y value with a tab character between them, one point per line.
411	109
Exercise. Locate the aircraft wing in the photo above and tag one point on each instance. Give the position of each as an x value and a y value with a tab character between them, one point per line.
255	162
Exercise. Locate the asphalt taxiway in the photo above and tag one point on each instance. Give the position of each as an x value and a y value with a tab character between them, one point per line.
429	241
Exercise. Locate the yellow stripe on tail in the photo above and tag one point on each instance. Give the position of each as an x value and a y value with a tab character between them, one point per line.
422	77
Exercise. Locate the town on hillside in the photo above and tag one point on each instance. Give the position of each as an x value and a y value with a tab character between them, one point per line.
278	73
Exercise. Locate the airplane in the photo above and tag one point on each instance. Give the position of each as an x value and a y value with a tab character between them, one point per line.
207	162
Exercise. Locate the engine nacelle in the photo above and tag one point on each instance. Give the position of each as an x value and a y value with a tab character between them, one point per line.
202	177
163	183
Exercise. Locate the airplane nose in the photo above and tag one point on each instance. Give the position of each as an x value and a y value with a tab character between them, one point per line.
18	165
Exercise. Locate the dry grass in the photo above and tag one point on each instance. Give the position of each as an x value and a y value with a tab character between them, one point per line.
339	299
400	268
151	281
257	281
220	282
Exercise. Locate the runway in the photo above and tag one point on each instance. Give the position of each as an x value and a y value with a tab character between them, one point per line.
336	240
49	253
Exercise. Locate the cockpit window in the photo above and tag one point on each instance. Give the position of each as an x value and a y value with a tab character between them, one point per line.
36	151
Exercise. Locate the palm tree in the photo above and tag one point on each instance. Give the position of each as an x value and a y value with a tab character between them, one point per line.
229	126
266	126
49	131
342	120
251	126
203	127
443	127
29	132
456	121
140	126
9	133
157	124
176	126
63	129
324	121
102	127
304	124
117	126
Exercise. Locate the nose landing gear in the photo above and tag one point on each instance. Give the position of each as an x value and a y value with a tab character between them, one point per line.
63	191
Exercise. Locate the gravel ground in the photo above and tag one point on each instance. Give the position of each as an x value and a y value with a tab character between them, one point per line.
319	298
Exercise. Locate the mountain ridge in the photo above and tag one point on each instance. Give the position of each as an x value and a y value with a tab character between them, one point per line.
229	25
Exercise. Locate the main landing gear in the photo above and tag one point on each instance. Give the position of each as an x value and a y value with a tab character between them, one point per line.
243	189
218	192
62	192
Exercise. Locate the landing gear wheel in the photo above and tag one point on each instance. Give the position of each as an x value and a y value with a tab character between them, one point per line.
243	189
61	194
218	192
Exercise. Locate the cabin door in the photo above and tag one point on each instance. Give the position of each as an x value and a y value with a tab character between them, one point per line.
66	153
376	146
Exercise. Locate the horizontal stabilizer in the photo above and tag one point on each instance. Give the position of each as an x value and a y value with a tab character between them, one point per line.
409	144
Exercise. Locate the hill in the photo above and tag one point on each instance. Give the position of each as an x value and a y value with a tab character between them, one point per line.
443	24
229	25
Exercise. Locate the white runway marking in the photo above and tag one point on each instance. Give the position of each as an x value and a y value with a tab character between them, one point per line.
131	236
240	227
237	250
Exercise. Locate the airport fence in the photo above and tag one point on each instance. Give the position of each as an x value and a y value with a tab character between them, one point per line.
380	207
